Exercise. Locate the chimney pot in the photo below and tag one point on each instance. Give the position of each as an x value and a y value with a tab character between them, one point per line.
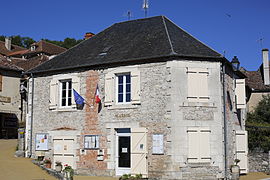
266	67
88	35
8	43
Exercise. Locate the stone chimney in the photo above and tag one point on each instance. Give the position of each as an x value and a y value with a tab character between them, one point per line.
88	35
266	66
8	43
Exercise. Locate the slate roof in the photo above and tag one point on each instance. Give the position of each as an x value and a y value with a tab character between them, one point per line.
4	51
131	41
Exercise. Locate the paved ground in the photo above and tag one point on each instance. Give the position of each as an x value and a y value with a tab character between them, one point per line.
12	168
255	176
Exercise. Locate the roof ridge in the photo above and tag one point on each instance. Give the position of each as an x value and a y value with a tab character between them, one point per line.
193	37
44	41
168	36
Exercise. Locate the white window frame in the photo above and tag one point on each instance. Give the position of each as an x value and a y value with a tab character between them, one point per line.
67	81
124	88
92	138
158	148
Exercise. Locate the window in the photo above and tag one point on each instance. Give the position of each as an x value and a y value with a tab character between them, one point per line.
91	142
61	95
66	93
197	84
123	88
158	144
198	145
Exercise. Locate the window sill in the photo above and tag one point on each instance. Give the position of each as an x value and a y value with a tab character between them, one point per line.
199	164
123	106
198	104
64	109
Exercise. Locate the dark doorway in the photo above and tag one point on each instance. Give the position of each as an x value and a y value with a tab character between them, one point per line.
124	151
8	126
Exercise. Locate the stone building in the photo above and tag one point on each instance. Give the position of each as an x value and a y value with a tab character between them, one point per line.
169	107
10	103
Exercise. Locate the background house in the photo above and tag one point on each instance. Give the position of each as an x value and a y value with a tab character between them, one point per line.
169	107
258	82
10	103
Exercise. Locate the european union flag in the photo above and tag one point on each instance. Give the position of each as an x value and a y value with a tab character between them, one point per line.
78	98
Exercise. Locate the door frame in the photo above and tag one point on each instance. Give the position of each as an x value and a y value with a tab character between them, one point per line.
119	171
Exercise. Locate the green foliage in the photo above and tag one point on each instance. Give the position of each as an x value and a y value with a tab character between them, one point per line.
67	43
258	126
130	177
27	41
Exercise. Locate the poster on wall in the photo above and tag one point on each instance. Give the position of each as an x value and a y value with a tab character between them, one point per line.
42	142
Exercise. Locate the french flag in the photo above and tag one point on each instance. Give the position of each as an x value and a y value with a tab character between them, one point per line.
98	100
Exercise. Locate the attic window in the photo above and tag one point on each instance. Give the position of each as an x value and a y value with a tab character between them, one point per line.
33	48
103	54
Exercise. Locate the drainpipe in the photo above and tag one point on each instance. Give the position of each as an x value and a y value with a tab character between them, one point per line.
225	121
32	107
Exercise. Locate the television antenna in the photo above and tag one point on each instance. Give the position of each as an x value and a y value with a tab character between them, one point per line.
260	41
145	7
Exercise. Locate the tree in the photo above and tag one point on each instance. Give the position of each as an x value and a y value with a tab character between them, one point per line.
27	41
258	125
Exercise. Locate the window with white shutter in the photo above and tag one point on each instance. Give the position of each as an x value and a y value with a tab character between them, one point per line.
122	87
197	84
198	145
53	94
61	94
240	93
158	147
109	89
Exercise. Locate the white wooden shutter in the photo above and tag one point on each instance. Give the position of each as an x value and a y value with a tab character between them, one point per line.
192	83
204	145
198	84
53	94
139	151
158	146
75	85
193	145
242	150
203	84
64	150
109	89
198	145
240	93
135	87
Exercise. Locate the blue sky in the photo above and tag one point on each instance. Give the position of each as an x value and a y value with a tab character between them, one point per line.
233	26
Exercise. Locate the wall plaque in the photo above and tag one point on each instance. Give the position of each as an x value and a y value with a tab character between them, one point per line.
5	99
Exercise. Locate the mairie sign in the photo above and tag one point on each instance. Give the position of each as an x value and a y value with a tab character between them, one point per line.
5	99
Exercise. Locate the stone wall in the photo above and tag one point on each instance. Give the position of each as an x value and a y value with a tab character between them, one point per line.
259	161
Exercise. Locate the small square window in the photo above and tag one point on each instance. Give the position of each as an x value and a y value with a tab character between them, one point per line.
91	142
